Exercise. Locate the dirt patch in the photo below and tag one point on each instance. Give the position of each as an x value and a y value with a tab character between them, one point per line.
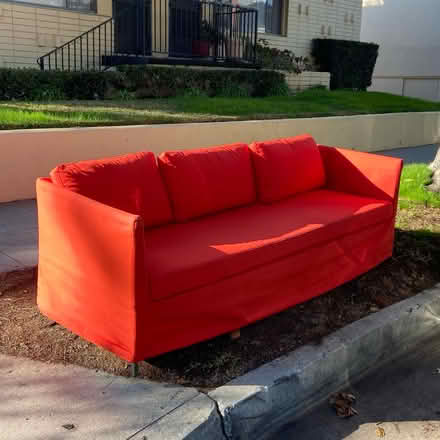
414	267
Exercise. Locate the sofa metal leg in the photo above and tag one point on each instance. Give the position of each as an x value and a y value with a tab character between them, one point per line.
235	335
134	369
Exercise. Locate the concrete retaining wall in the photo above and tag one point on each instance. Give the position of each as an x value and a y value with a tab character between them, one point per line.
28	154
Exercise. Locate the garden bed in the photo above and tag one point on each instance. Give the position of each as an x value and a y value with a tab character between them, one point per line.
413	267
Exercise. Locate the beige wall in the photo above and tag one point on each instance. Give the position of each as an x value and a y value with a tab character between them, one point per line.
159	27
306	80
27	31
309	19
28	154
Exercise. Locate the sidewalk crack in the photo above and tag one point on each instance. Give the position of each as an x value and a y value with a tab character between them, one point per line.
225	431
159	418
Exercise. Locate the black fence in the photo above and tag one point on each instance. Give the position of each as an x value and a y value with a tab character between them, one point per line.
162	31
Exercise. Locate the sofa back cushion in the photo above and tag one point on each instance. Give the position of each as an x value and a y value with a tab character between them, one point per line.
131	183
285	167
208	180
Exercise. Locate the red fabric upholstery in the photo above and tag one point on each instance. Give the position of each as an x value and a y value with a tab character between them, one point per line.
140	293
285	167
91	276
207	180
239	300
181	257
131	183
355	172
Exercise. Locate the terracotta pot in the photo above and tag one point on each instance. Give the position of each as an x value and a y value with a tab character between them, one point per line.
200	48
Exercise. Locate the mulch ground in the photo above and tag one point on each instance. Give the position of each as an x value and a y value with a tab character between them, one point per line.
415	266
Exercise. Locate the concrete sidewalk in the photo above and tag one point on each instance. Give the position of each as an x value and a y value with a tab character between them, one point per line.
422	154
50	402
18	220
18	235
400	401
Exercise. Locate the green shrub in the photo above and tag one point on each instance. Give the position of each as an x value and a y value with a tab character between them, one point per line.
171	81
350	63
273	58
137	82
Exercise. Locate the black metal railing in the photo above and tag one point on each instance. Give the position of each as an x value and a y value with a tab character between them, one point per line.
144	31
199	28
84	52
236	33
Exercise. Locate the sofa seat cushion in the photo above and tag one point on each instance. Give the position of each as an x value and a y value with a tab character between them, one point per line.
285	167
208	180
131	183
181	257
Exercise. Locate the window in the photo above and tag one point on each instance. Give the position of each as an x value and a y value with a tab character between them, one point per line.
271	15
76	5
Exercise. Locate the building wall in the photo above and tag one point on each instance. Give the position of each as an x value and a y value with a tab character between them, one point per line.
408	35
309	19
306	80
29	31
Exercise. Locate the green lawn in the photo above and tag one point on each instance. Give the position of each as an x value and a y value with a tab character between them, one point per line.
316	102
419	209
412	187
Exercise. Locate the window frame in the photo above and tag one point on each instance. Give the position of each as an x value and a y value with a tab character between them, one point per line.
268	28
93	7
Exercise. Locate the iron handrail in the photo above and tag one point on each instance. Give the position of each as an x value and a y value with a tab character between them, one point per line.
40	60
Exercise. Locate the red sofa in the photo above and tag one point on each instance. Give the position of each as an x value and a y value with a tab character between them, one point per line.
144	256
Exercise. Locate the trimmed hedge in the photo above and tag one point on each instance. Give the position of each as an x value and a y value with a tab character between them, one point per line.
350	63
138	82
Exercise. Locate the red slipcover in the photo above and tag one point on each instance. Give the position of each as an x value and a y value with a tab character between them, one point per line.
131	183
377	179
208	180
181	257
140	293
237	301
285	167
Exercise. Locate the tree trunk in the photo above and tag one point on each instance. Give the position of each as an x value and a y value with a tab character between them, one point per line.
435	167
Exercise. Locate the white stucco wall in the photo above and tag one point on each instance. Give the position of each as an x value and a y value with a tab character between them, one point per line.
408	34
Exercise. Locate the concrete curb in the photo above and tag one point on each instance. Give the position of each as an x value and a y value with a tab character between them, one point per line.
196	419
254	405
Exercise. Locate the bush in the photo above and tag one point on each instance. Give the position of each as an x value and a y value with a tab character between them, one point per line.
273	58
150	81
33	85
350	63
138	82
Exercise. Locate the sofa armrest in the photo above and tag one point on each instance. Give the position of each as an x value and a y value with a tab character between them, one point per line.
90	272
364	174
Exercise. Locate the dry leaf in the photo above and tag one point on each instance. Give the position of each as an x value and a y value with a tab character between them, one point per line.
69	426
380	432
342	402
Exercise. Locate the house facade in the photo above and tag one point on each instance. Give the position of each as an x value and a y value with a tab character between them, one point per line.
293	24
31	28
151	30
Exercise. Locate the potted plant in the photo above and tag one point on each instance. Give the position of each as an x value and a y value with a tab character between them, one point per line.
207	37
